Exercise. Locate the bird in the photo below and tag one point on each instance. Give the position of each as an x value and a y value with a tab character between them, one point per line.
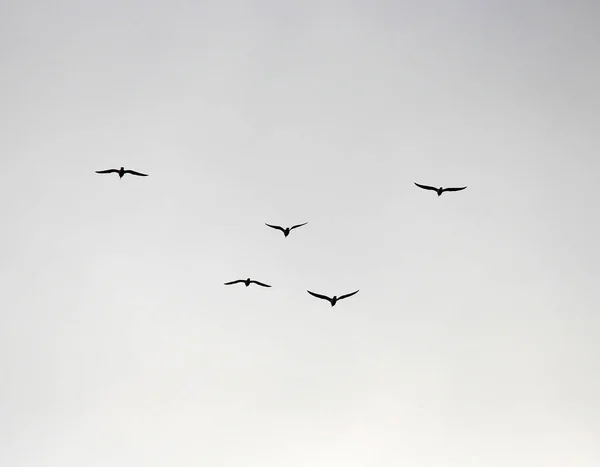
121	172
247	282
287	230
439	190
332	300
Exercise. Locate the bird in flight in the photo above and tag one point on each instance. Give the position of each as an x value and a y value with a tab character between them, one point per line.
121	172
332	300
247	282
287	230
439	190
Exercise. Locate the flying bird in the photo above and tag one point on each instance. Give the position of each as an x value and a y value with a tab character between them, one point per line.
332	300
439	190
247	282
287	230
121	172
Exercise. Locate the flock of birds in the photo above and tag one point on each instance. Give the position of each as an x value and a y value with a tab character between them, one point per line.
286	231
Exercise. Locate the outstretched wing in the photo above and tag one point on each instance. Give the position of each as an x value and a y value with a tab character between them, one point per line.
275	227
320	296
347	295
299	225
426	187
107	171
233	282
259	283
454	189
133	172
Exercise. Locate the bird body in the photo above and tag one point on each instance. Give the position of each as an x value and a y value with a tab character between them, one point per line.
333	300
247	282
121	172
439	190
287	230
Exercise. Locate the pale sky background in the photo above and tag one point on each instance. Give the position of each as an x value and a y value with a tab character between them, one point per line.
475	338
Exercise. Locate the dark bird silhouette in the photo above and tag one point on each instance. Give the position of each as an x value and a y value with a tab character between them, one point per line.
332	300
287	230
439	190
121	172
247	282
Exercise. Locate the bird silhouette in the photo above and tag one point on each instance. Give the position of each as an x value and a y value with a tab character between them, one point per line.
287	230
121	172
439	190
247	282
332	300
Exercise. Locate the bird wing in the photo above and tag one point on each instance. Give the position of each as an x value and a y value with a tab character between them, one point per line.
454	189
133	172
320	296
106	171
259	283
347	295
298	225
275	227
426	187
233	282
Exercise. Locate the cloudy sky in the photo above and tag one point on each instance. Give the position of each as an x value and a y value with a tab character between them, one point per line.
474	339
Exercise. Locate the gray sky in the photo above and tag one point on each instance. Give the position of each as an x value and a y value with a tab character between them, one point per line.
474	339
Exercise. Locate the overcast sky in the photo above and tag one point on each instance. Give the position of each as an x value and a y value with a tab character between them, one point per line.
475	338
